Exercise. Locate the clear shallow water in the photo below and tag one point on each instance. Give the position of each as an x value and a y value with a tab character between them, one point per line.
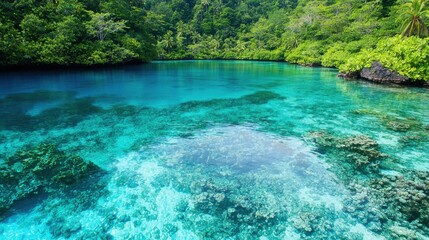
211	150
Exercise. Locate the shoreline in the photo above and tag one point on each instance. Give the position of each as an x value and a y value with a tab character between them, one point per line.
59	67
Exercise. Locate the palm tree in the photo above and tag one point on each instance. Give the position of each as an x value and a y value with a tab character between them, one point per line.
205	3
168	41
414	25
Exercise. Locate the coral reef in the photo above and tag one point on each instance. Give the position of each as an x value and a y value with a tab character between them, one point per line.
256	192
394	123
405	197
242	209
310	222
66	115
224	200
361	151
42	168
257	98
393	205
262	97
220	185
14	108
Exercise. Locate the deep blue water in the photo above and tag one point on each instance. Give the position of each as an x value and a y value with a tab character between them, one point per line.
212	150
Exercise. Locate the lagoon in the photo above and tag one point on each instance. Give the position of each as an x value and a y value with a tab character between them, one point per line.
216	150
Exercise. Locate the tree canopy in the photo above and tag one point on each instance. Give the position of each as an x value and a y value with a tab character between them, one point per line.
74	32
330	33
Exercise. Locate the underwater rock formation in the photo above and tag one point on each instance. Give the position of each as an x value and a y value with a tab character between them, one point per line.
257	98
67	111
406	197
361	151
250	183
390	205
396	206
394	123
43	168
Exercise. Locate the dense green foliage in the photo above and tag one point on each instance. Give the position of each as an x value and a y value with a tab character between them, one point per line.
297	31
334	33
73	32
330	33
409	57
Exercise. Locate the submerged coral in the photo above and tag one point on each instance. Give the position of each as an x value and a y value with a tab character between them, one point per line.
391	205
253	192
232	181
262	97
396	206
257	98
15	108
394	123
405	197
361	151
43	168
223	199
66	115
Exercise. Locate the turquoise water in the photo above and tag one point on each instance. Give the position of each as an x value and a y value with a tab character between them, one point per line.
220	150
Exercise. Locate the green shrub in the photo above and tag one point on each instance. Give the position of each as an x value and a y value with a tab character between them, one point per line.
407	56
335	56
307	53
358	61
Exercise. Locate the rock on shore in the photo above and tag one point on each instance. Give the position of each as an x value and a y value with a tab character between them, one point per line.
379	74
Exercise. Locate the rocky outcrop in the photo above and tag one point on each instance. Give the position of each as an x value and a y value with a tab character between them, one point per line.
349	75
379	74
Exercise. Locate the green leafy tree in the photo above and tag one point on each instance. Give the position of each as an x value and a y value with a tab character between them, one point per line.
102	24
10	44
32	27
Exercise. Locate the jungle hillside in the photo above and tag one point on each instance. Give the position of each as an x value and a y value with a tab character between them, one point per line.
346	34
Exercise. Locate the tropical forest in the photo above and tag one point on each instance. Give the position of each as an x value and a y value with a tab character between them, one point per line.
348	35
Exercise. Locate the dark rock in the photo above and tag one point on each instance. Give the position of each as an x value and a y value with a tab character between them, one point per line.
349	75
379	74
